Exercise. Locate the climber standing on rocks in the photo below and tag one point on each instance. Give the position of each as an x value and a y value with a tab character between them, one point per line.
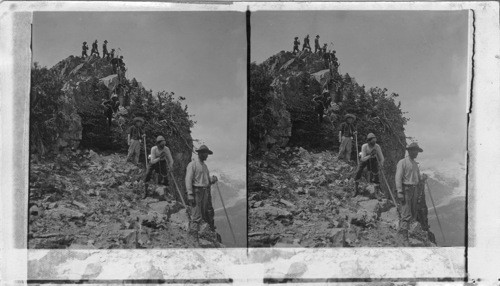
84	50
111	106
114	64
161	162
410	187
135	137
317	47
296	44
198	182
346	133
335	63
322	102
120	68
105	53
112	54
371	158
306	44
325	47
326	60
95	49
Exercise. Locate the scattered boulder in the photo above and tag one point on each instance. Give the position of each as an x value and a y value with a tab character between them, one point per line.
262	239
363	219
391	217
371	206
80	205
166	207
64	212
128	237
180	219
385	205
270	211
337	237
287	203
322	76
110	81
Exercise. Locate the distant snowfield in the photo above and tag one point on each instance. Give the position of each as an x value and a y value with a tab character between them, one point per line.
235	171
242	195
447	173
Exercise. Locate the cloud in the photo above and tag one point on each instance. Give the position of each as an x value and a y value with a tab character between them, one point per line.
221	124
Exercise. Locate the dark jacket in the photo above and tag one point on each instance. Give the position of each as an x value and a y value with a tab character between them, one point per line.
347	129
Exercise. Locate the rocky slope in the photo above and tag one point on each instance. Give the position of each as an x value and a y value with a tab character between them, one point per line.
85	200
304	199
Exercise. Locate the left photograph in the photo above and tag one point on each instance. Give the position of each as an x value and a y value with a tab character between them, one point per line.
138	130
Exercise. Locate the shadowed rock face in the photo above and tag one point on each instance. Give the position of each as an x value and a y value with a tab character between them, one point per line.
86	83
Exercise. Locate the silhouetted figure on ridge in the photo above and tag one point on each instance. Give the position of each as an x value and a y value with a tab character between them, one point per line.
95	49
84	50
306	44
296	44
316	44
105	53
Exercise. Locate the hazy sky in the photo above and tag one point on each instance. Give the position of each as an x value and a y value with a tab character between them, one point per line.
421	55
197	55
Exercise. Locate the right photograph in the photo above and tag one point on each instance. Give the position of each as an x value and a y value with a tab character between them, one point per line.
357	128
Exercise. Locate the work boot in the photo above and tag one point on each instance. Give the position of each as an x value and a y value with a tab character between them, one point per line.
194	234
378	191
145	191
403	235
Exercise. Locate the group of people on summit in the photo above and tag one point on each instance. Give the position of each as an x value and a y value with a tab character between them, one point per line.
328	55
95	50
117	63
409	182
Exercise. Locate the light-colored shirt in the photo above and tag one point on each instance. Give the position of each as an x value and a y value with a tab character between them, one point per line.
156	153
366	151
197	175
407	173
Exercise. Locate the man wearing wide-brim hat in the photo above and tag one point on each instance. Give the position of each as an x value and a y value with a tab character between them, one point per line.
409	186
105	53
135	136
346	133
84	50
94	50
198	183
317	47
296	44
